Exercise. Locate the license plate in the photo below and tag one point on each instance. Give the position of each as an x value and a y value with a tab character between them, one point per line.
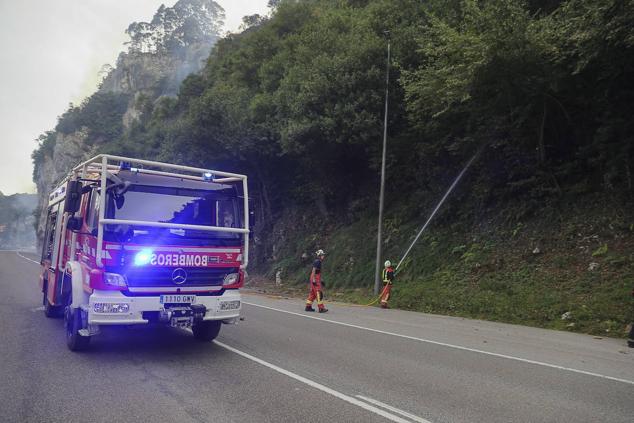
230	305
178	299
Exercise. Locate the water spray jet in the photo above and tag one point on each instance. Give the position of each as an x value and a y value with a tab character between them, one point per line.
440	203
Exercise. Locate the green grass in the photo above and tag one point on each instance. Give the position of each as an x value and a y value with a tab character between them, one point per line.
486	271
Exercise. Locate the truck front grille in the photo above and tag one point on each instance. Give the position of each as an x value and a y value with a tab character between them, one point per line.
156	277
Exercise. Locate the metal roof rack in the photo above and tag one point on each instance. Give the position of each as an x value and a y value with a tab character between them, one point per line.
101	165
96	164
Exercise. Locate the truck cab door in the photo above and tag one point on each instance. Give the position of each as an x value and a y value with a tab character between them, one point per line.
51	251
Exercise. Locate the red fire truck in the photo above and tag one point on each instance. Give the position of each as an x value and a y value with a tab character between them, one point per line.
131	242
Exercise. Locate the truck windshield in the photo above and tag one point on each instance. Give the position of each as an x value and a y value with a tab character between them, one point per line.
173	205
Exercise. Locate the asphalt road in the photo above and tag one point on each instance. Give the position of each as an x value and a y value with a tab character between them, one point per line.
283	365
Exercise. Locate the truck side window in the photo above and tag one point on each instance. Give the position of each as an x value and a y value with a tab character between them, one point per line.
54	236
92	218
47	250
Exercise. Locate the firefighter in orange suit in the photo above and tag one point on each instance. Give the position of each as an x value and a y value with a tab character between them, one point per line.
315	285
388	278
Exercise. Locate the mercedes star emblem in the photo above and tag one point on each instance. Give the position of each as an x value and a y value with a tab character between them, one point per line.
179	276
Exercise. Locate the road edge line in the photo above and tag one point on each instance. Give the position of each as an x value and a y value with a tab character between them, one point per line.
26	258
443	344
393	409
315	385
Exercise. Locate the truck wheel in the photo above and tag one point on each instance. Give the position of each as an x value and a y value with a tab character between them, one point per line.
50	310
72	324
206	331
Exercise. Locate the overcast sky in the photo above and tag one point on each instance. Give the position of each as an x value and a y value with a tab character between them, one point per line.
50	54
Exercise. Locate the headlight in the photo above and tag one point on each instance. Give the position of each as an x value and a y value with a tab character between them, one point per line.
230	279
111	307
114	279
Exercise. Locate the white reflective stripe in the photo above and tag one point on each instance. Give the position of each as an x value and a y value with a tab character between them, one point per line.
113	247
159	289
106	254
159	249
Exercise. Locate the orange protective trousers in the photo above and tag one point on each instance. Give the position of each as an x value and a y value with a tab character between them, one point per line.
385	294
315	294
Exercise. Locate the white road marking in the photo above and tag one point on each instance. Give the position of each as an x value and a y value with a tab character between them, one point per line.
26	258
394	409
429	341
316	385
443	344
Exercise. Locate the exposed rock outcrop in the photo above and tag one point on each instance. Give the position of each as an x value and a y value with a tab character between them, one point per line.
69	150
160	55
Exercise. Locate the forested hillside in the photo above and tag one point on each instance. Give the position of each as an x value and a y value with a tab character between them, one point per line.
541	225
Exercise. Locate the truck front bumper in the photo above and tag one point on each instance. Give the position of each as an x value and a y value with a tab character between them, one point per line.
138	309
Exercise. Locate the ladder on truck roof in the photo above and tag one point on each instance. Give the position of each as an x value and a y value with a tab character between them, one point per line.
101	165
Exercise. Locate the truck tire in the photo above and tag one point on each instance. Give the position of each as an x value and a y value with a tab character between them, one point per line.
206	331
72	324
50	310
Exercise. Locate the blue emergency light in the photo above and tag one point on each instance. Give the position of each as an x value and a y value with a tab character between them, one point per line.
125	165
208	176
143	257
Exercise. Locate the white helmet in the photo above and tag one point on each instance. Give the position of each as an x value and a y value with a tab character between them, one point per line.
320	253
387	263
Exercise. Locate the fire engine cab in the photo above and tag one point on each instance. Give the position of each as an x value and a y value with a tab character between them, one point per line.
131	242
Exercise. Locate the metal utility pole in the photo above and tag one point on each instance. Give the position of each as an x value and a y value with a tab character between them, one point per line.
379	240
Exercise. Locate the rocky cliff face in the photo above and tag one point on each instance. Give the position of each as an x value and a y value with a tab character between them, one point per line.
155	74
160	55
69	150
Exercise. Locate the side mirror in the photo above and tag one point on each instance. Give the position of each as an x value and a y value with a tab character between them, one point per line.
118	201
73	196
74	223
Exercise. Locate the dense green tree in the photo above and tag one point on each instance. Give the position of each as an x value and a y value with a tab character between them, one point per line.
296	100
100	113
172	28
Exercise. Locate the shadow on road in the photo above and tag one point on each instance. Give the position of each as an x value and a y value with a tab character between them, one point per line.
149	342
